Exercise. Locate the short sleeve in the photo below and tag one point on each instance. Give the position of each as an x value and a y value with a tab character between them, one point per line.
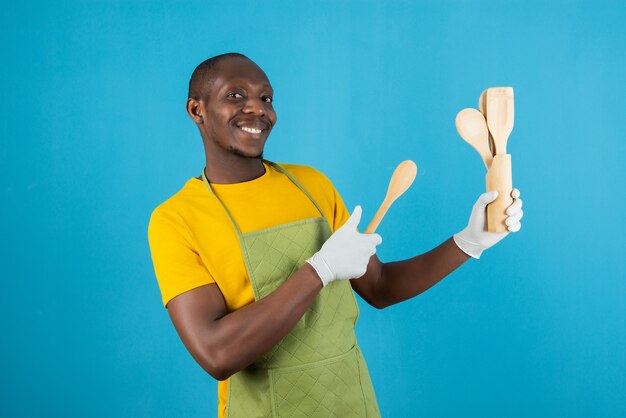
341	214
177	264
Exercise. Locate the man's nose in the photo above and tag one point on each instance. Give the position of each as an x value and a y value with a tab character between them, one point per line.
254	105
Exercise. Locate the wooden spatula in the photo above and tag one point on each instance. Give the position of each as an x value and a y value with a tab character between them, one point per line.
500	115
401	180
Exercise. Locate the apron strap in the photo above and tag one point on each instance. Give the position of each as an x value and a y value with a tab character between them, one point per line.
297	183
232	220
280	169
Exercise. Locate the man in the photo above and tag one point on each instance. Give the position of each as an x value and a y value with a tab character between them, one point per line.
257	262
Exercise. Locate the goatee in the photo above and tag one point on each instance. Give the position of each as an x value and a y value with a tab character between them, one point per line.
239	153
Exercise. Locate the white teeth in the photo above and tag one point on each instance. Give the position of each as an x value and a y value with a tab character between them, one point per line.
250	130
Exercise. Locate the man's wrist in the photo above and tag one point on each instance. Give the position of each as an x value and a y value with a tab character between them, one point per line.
472	249
312	275
321	268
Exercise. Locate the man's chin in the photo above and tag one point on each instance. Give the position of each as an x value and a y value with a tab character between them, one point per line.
240	153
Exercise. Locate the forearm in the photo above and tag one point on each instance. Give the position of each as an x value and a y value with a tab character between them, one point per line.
224	343
402	280
243	336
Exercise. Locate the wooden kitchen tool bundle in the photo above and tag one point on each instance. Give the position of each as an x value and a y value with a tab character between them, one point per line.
487	131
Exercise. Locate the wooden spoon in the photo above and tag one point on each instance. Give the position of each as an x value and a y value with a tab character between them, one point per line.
472	127
500	115
482	106
401	180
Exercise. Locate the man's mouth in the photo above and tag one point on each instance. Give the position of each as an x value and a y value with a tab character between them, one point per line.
254	127
251	130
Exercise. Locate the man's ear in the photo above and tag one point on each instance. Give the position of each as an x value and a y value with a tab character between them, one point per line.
194	110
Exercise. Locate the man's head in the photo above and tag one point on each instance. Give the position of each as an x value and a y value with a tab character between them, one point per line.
204	75
230	100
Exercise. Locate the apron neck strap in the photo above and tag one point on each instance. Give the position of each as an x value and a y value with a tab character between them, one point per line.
280	169
210	189
297	183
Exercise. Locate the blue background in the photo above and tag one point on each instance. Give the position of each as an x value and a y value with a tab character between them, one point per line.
95	136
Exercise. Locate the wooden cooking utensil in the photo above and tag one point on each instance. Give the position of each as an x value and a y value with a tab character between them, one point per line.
500	117
499	177
481	103
472	127
482	106
401	180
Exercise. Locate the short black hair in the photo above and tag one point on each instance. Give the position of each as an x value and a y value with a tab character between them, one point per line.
204	75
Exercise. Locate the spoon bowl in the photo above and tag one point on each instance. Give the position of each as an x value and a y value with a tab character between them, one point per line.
472	127
401	180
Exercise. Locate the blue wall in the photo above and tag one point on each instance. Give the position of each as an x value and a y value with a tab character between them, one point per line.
94	136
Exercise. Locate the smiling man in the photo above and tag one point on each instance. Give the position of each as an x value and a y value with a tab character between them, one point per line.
258	262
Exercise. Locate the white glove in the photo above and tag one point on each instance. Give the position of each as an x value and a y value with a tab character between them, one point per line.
475	238
346	253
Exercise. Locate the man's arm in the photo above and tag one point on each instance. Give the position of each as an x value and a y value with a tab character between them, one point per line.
385	284
224	343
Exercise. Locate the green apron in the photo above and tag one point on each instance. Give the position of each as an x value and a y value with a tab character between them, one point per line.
317	370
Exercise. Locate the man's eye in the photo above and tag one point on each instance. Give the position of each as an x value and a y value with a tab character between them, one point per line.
268	99
235	95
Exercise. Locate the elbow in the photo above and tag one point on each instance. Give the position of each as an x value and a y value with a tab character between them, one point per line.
217	364
377	301
385	300
379	296
381	299
379	304
219	374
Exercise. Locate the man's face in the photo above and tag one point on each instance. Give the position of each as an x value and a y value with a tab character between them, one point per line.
239	111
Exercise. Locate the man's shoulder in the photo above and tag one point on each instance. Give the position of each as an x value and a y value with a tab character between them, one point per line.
175	204
305	172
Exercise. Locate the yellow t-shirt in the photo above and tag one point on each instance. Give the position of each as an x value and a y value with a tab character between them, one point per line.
194	243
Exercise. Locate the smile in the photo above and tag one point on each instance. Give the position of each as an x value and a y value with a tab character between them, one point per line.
251	130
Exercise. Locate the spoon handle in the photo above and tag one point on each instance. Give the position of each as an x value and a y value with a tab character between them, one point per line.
382	210
482	107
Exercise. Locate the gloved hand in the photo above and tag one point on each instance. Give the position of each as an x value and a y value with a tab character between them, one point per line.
346	253
474	239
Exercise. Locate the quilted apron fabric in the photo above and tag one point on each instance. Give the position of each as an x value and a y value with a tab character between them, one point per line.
317	370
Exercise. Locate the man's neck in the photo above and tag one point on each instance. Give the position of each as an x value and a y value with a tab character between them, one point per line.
234	169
